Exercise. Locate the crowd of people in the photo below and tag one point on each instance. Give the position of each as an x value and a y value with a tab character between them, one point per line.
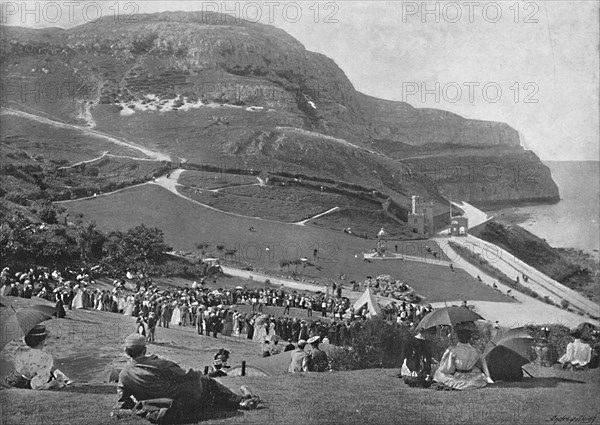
210	310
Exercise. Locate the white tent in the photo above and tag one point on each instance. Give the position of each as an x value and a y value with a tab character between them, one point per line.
369	299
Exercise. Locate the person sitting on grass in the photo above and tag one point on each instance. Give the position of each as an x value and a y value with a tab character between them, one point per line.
461	366
578	353
223	355
275	347
417	367
299	359
34	368
266	349
150	378
217	371
317	361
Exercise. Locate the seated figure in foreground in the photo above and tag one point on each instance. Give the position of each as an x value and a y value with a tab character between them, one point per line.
151	378
34	367
417	367
462	365
578	353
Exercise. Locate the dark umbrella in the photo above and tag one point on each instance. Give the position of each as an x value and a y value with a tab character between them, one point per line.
508	351
22	321
449	316
517	340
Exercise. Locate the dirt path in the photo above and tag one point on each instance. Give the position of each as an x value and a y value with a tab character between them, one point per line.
527	310
400	257
303	222
326	137
155	155
537	281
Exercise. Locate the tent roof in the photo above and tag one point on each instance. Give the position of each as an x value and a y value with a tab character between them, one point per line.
368	298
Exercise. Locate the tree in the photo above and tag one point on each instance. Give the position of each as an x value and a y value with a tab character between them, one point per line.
15	238
140	244
47	211
89	241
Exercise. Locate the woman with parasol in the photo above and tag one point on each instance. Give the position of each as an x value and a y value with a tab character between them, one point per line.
462	365
34	368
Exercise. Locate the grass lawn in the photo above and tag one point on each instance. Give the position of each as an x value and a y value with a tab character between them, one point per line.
185	223
289	204
88	344
363	222
209	180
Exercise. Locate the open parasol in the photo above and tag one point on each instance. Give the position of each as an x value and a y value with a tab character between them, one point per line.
509	350
448	316
21	321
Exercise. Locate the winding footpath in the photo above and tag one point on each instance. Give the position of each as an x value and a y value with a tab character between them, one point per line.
171	183
155	155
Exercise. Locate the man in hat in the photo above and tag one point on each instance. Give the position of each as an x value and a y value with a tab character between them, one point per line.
299	361
318	359
150	377
578	353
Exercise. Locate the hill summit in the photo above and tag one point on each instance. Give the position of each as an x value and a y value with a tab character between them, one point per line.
213	89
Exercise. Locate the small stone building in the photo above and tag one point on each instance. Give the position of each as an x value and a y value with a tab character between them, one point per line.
459	226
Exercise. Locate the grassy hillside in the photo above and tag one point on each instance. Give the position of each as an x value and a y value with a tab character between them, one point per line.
88	344
184	224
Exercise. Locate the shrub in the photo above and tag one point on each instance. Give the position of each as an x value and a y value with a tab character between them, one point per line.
564	304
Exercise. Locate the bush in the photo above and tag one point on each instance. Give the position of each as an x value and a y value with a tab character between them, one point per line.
380	344
558	338
564	304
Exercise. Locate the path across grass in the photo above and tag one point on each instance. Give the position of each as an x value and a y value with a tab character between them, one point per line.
185	223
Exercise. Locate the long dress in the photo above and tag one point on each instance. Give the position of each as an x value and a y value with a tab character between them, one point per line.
236	324
122	304
176	316
260	333
129	306
34	365
227	326
78	300
458	368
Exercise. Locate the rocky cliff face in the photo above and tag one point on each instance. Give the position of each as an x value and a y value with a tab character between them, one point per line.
224	88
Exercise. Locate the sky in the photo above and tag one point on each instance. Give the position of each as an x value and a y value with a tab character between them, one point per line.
531	64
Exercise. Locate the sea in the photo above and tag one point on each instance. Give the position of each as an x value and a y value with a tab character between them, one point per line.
573	222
